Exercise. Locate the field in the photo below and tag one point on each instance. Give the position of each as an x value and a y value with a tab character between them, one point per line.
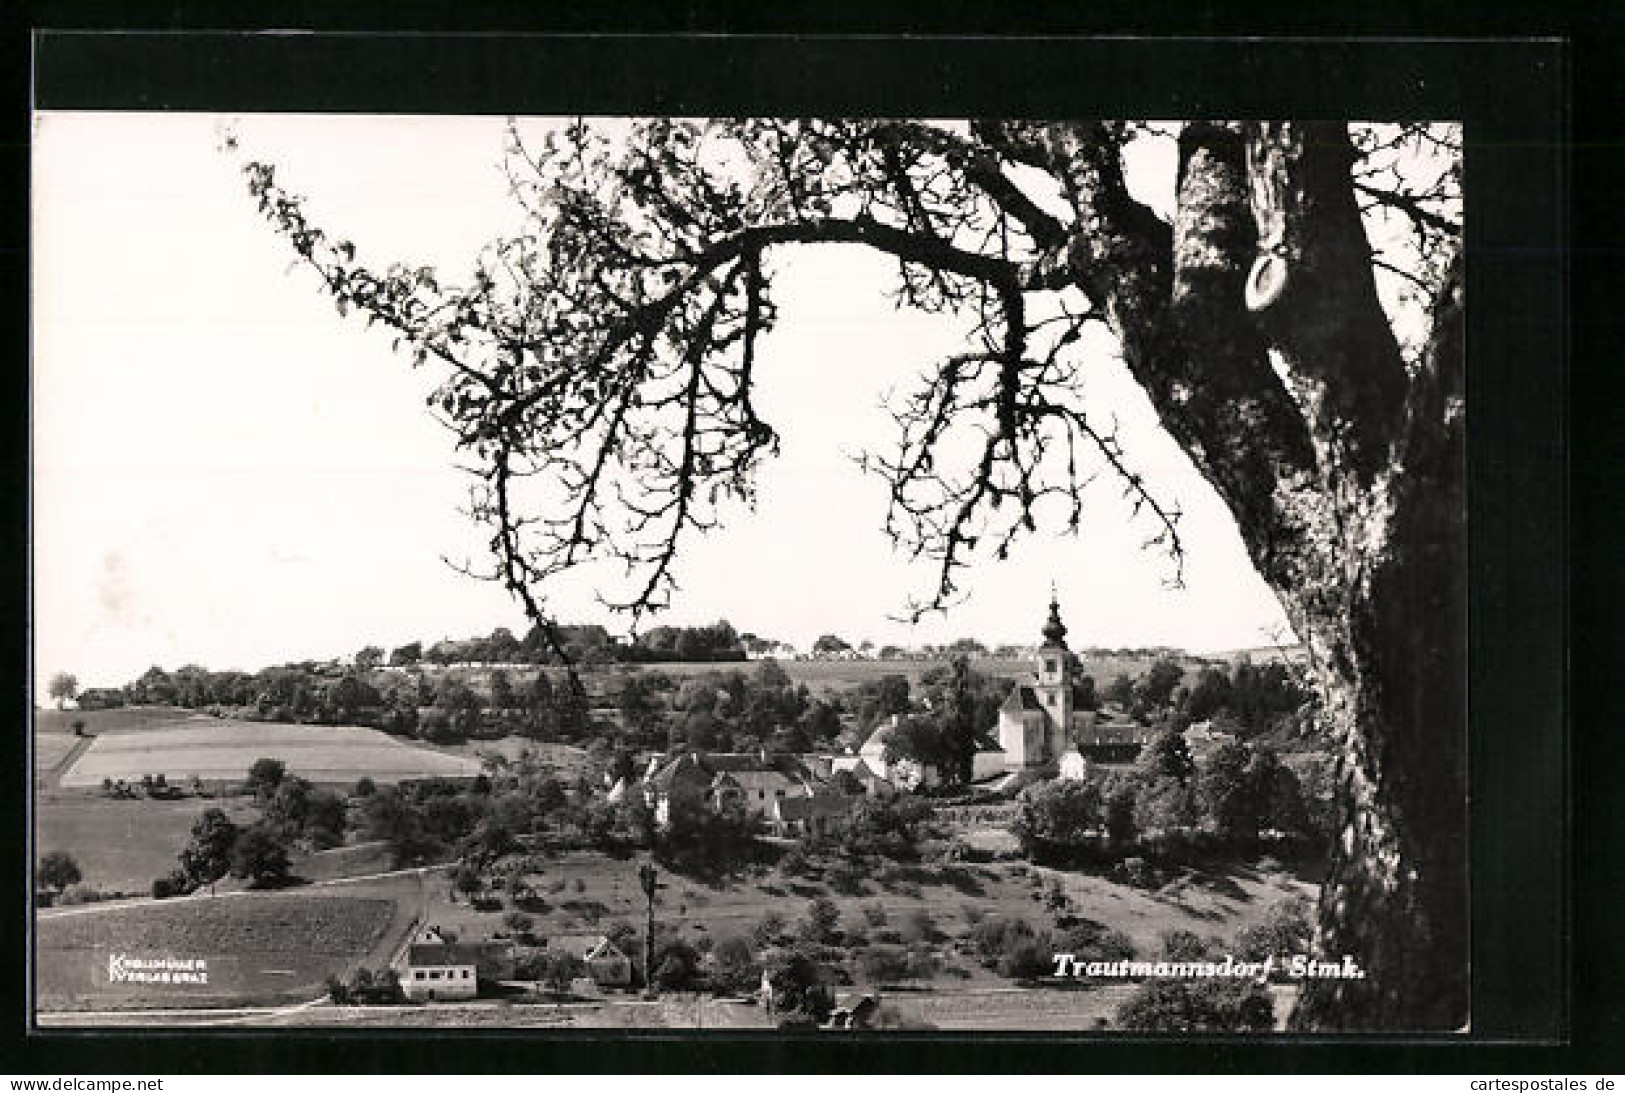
117	720
259	948
223	749
121	845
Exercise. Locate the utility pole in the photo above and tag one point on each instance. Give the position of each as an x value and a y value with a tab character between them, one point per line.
647	877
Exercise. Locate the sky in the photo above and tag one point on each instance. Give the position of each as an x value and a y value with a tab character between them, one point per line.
228	473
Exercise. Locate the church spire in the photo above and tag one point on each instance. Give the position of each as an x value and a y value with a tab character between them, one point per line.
1054	628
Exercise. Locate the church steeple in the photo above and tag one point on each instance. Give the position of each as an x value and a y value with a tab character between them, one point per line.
1054	628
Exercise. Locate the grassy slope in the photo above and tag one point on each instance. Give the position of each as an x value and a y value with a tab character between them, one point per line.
1214	905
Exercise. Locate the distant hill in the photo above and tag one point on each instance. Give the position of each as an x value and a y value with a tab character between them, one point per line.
1260	654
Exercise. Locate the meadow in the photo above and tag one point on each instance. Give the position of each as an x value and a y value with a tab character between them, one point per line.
122	845
222	749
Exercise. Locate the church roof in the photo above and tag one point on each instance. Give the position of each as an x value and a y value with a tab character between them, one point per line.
1054	628
1023	697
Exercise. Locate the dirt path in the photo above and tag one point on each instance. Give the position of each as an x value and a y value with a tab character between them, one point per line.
52	778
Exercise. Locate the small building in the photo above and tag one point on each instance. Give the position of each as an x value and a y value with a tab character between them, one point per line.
808	815
880	757
606	965
1110	737
440	971
442	960
1074	767
854	1011
724	779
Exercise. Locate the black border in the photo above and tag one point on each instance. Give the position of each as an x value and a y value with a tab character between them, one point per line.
1513	96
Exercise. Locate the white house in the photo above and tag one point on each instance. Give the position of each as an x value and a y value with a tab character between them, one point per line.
433	968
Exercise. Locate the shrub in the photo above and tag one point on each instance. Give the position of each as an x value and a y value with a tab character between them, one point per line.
1089	941
988	936
1027	955
79	893
822	920
883	964
847	876
677	966
57	871
1137	872
888	1016
1287	928
518	924
922	927
374	988
733	967
769	930
1163	1005
796	862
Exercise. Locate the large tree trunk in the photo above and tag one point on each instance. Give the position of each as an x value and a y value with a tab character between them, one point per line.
1345	473
1390	658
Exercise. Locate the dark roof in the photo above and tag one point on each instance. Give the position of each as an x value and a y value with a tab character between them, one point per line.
1112	732
802	808
701	768
763	779
1023	697
585	946
439	955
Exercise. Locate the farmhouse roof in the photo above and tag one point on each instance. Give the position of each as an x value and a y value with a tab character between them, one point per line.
442	955
882	735
1110	732
586	946
764	780
752	769
803	808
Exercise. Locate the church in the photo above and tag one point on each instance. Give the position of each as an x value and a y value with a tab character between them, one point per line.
1039	730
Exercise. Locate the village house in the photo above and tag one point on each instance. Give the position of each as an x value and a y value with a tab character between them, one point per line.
433	968
788	816
751	781
606	964
900	772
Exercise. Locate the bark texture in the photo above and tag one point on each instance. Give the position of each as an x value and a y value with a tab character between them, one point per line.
1346	477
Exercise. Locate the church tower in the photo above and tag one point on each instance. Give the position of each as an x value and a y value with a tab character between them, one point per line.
1054	688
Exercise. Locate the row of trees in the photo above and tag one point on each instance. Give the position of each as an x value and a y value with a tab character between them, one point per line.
1247	699
1234	795
584	644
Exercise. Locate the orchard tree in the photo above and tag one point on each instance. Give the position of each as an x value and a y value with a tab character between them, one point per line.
63	688
1294	318
56	871
207	856
260	856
